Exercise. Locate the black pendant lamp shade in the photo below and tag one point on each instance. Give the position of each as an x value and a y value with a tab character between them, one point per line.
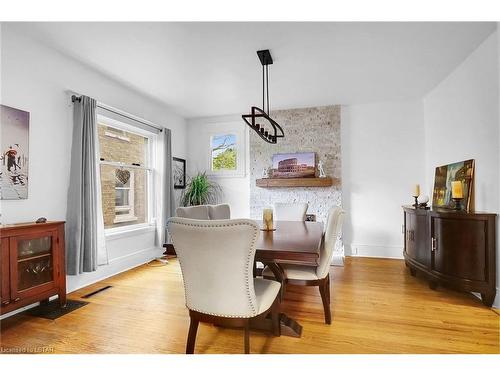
259	119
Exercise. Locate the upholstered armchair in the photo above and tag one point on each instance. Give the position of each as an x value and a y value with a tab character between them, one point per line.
205	212
193	212
219	211
319	275
290	211
216	259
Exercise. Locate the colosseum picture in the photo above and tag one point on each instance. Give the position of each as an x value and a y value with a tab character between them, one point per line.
300	164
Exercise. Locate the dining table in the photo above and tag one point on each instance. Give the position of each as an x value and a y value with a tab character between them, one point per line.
291	242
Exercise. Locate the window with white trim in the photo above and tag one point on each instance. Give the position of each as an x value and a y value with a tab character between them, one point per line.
225	149
126	174
223	152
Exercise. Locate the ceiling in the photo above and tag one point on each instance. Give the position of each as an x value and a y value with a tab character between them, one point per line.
205	69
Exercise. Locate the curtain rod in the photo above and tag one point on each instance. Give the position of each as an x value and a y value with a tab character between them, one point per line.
75	98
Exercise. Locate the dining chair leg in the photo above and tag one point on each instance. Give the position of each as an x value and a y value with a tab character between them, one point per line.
324	290
193	328
275	317
247	337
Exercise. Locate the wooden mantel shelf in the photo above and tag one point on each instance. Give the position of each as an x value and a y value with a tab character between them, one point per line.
297	182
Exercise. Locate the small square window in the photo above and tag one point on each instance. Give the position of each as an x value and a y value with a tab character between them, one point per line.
224	152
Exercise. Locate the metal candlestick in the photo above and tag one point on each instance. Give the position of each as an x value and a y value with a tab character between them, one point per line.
458	204
416	201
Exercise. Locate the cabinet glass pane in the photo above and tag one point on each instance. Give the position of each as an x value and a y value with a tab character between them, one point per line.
33	247
34	272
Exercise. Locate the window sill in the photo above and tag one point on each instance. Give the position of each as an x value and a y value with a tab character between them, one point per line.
125	219
129	231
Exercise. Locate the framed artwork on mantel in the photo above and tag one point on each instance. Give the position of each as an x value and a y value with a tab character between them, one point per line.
14	124
294	165
461	171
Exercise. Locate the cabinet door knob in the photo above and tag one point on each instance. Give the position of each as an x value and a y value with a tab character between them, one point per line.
17	299
5	302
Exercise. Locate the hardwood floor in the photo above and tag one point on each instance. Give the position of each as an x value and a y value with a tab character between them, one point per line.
377	308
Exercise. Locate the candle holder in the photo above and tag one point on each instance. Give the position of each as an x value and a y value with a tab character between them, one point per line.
267	220
416	201
458	204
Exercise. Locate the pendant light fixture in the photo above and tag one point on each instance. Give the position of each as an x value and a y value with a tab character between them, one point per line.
259	119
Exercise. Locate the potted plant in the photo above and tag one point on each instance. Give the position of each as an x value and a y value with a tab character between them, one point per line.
200	190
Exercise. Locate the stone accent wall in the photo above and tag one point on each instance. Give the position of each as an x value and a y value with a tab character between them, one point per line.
130	150
314	129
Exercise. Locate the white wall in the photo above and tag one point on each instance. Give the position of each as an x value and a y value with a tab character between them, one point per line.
37	79
382	159
461	122
236	190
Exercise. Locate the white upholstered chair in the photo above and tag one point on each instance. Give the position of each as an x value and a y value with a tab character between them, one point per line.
205	212
290	211
317	275
216	259
219	211
193	212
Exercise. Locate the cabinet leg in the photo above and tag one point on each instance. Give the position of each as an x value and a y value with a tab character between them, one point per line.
433	285
413	272
62	299
44	301
488	298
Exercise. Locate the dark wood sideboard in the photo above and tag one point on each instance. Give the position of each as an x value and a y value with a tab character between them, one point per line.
453	248
32	265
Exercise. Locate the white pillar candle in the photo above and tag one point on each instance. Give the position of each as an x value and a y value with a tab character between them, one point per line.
416	192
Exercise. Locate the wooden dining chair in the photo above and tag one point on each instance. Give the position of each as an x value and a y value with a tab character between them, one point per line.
316	275
216	259
290	211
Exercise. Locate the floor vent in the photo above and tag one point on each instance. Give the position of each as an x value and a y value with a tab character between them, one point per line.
96	291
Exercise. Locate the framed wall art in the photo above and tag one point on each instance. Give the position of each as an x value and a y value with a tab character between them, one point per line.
461	171
14	124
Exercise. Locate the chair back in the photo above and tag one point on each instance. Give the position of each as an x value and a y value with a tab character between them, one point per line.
219	211
216	259
290	211
333	230
193	212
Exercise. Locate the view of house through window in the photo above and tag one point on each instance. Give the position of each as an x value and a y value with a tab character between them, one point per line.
125	173
224	153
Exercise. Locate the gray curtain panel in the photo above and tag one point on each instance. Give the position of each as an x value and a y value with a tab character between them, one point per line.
167	185
82	219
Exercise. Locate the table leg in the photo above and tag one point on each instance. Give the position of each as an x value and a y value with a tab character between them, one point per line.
279	275
288	326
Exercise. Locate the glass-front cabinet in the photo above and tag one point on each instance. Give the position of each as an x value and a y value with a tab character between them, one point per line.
32	264
34	256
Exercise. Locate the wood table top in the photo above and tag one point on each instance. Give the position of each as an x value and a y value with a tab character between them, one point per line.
293	242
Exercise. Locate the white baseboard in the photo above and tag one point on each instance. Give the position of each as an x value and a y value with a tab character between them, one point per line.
338	259
496	303
115	266
374	251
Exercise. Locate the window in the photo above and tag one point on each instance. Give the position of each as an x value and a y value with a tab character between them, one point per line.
223	152
126	174
225	148
124	196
